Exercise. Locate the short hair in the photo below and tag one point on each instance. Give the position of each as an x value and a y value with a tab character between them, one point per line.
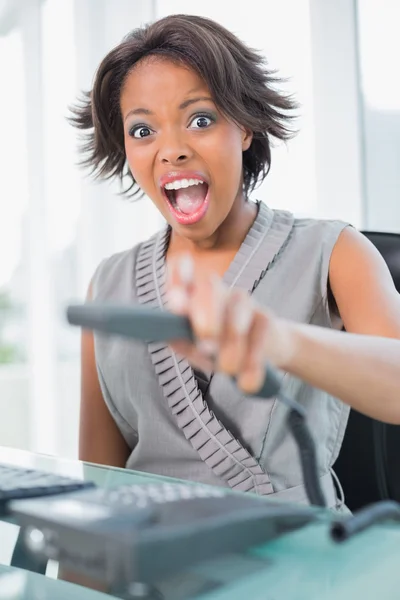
241	84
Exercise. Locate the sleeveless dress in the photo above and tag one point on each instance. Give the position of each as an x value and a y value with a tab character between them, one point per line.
204	429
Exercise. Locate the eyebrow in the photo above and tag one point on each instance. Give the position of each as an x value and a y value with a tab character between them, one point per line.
185	104
190	101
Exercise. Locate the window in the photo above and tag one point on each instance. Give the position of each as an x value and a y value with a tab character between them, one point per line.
379	51
14	429
13	160
56	223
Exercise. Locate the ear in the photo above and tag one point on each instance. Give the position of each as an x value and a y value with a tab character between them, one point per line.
247	138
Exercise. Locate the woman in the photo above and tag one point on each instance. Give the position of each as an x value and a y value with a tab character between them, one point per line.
186	113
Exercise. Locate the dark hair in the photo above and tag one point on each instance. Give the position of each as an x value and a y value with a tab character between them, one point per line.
237	76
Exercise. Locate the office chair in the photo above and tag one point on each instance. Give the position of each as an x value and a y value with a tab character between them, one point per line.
369	460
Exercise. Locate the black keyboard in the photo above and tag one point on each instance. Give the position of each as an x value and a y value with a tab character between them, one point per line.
17	483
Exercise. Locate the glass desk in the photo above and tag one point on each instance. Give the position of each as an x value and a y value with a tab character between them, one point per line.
303	565
16	584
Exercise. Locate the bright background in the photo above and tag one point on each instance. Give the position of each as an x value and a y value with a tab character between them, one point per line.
55	225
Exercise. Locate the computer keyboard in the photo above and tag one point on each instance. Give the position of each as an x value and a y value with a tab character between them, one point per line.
18	483
151	531
132	497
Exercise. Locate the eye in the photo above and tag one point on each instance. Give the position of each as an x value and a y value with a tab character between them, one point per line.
201	121
140	131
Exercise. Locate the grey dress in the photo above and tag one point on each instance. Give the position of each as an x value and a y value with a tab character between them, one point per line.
211	433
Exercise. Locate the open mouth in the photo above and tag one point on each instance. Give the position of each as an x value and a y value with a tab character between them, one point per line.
187	199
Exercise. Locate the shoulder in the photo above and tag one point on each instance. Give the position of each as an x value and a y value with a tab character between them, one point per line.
363	286
355	258
319	228
302	263
320	236
309	241
313	236
304	231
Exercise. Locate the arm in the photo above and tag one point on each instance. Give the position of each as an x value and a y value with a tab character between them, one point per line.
360	366
100	440
362	369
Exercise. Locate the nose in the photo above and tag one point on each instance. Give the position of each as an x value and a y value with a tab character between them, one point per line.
173	149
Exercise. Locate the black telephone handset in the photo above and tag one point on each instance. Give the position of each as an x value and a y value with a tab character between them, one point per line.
150	325
155	325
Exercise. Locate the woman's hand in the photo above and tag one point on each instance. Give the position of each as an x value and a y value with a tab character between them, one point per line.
233	334
237	337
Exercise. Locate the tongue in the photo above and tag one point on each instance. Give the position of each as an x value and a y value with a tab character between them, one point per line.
191	198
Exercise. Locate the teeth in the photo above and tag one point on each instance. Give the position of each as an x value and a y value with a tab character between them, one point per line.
182	183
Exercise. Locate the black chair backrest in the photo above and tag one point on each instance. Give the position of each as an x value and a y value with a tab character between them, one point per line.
388	245
368	465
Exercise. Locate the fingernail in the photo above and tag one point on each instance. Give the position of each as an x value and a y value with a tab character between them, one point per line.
186	269
242	318
177	299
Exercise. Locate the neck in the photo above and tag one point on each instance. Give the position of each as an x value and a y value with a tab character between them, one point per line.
227	238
